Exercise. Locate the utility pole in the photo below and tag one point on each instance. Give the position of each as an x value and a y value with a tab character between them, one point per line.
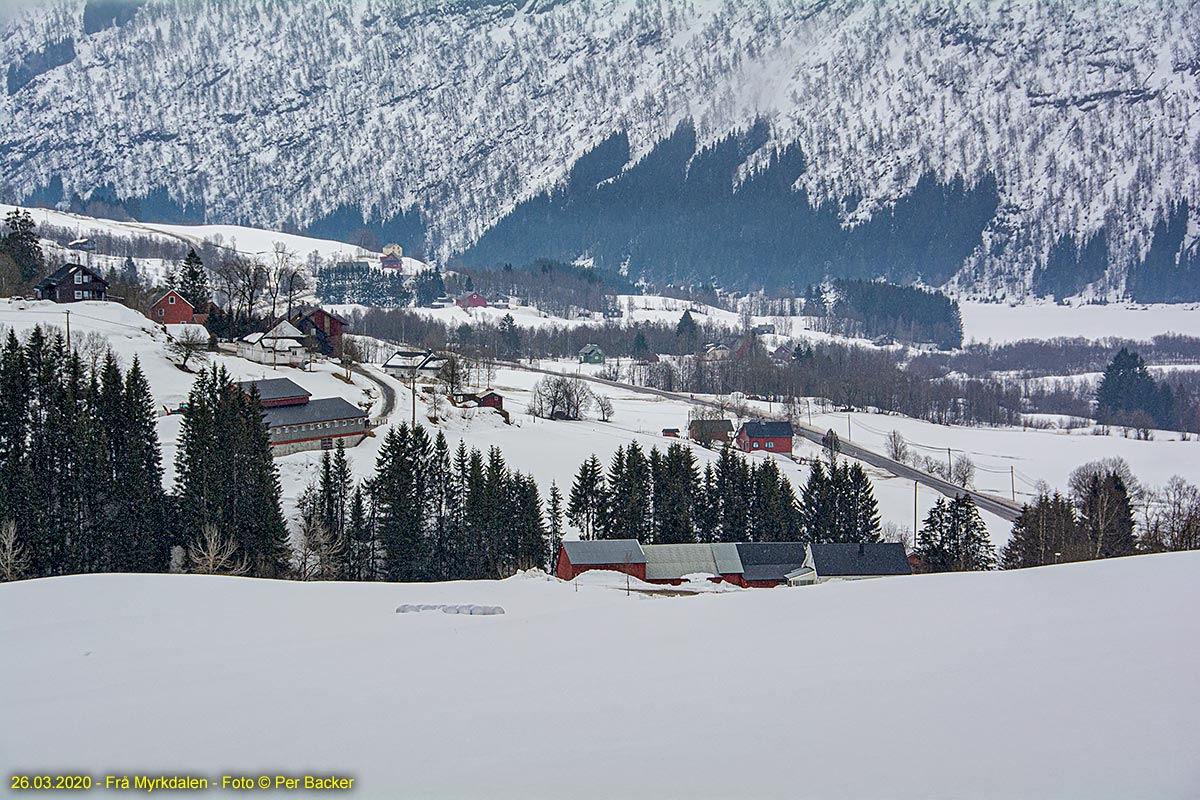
68	313
1012	478
949	465
848	428
413	385
915	485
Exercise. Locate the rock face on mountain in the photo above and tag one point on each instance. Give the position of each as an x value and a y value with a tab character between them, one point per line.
996	147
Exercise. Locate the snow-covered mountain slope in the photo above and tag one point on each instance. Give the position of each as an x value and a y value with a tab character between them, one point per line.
434	120
1008	685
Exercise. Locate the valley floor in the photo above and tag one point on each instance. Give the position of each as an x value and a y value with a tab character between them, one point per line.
1076	681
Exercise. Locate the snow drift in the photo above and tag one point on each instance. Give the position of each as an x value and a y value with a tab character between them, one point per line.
1069	681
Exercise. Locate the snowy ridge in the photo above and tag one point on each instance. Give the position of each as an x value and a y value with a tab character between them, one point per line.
1085	112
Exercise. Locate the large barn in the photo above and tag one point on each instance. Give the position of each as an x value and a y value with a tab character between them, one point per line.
746	564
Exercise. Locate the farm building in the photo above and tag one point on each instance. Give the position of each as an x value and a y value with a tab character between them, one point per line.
325	327
412	364
296	423
850	562
766	564
772	436
487	399
393	257
707	431
173	309
72	283
617	555
471	300
591	354
746	564
282	345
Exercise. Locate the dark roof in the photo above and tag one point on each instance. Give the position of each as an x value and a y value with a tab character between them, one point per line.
275	388
57	277
327	409
710	426
770	561
605	551
767	427
880	558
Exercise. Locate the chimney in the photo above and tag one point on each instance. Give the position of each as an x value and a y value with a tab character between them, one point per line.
861	547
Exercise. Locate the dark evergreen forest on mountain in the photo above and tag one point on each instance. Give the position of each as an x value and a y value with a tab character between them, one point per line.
678	215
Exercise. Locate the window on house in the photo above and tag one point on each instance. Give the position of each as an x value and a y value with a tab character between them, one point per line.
756	445
770	445
171	300
79	277
78	295
160	312
86	294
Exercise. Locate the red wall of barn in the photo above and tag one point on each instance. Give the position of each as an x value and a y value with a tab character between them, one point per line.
568	571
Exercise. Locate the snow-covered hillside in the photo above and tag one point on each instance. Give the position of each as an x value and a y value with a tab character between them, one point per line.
1075	681
1085	113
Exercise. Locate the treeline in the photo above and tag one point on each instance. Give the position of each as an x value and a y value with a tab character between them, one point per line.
554	287
664	498
846	375
359	282
80	470
904	313
427	514
1061	356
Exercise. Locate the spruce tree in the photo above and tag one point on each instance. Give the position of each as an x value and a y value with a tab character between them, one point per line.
554	527
1044	533
140	501
191	281
587	501
954	538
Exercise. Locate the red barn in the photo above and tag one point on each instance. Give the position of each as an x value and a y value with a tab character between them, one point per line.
771	436
617	555
172	309
471	300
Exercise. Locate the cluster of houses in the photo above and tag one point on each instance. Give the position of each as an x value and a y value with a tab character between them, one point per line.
753	436
745	564
291	340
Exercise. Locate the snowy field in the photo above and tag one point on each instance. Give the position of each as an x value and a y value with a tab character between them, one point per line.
1075	681
999	323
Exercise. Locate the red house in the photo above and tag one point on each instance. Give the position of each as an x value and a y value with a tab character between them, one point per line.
471	300
617	555
172	309
771	436
491	399
325	326
391	261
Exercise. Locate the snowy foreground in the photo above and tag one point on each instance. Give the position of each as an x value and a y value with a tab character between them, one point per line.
1070	681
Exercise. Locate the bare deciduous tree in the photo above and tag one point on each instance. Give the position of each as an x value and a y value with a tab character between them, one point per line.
963	471
560	397
14	557
604	407
215	554
191	343
897	447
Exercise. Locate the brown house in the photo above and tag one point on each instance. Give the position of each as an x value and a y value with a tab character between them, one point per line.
707	431
71	284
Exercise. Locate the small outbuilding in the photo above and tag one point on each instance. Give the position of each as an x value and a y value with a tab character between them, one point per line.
707	431
413	364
